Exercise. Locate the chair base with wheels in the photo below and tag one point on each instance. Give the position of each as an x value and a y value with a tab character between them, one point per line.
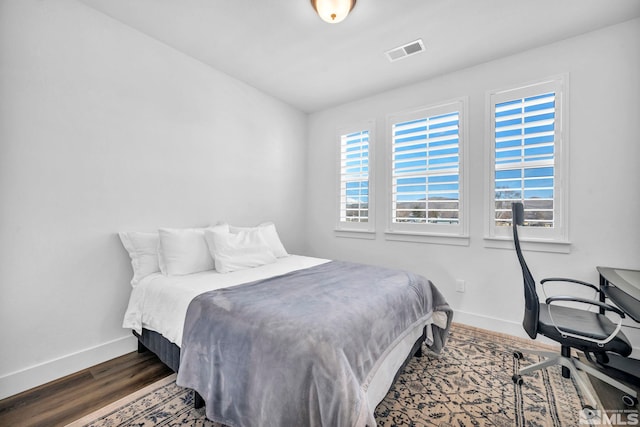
571	366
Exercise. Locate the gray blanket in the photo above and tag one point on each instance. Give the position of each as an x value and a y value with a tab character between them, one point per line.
300	349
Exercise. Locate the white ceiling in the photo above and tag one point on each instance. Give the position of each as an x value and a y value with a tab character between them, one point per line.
283	48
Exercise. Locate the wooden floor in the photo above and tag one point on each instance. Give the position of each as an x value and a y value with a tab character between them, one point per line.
67	399
70	398
611	398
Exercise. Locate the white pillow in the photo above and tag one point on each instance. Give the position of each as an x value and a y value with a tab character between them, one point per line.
245	249
143	251
183	251
270	234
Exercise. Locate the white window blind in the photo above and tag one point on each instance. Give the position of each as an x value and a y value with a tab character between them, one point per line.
529	157
426	170
525	159
354	177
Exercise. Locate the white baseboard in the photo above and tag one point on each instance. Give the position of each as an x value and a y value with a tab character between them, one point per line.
497	325
25	379
490	323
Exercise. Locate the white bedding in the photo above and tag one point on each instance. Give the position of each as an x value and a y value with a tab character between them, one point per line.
159	303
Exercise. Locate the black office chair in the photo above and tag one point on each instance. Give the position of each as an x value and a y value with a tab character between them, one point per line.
590	332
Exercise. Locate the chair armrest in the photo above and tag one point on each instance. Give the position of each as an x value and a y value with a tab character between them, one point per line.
602	305
562	279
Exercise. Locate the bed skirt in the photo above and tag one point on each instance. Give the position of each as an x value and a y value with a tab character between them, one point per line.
167	352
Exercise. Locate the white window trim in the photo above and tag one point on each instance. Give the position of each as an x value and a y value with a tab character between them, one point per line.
358	230
432	233
537	239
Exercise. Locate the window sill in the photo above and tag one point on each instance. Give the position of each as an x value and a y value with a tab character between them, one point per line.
355	234
439	239
552	246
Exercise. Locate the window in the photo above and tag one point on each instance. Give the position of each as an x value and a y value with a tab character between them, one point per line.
526	140
427	185
355	208
354	177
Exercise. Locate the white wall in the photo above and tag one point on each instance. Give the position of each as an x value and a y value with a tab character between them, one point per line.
604	202
103	129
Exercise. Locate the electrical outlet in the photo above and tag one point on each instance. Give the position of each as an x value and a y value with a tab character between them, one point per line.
460	285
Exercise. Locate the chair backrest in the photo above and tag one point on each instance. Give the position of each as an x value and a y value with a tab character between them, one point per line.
531	302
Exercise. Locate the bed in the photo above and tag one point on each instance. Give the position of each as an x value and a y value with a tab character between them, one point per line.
294	341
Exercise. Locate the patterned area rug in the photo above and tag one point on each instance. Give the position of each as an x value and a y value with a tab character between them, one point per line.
469	383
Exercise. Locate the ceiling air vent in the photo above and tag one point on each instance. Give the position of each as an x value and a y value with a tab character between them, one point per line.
405	50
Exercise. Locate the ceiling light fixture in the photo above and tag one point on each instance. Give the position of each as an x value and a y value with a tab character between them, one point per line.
333	11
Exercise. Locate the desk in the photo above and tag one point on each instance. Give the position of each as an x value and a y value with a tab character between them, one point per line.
622	287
